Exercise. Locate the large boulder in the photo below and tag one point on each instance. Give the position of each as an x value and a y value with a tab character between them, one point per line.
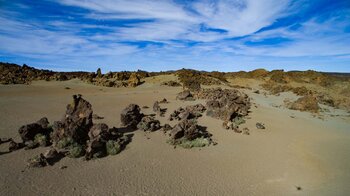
76	123
131	116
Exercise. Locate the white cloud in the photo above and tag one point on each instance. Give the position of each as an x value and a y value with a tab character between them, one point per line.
239	17
174	21
174	25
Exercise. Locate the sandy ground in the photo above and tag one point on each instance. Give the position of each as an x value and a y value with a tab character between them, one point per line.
303	151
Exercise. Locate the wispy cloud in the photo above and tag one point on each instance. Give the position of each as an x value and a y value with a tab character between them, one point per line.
152	34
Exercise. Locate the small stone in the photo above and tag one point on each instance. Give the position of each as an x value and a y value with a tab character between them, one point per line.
260	126
246	131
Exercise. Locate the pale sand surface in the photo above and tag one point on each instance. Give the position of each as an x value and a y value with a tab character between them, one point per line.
303	151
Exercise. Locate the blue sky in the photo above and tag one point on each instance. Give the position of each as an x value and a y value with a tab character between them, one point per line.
153	35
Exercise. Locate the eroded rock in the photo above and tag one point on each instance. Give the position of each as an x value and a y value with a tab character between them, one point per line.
185	96
189	112
148	123
29	131
131	116
188	134
260	125
76	123
225	104
134	80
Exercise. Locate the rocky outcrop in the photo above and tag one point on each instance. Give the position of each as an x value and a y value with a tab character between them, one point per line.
225	104
306	103
134	80
229	105
76	135
15	74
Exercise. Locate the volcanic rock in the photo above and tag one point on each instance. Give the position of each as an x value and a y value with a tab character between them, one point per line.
189	112
185	95
226	104
76	123
28	132
15	146
188	129
148	123
131	116
260	126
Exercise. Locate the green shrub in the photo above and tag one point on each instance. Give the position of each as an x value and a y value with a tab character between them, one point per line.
76	151
185	143
65	142
238	120
112	147
40	139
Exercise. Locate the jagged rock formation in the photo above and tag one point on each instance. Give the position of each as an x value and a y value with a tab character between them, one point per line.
75	135
76	123
131	116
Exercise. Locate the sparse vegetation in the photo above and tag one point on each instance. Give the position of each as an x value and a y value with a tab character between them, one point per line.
112	147
198	142
65	142
41	139
76	150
